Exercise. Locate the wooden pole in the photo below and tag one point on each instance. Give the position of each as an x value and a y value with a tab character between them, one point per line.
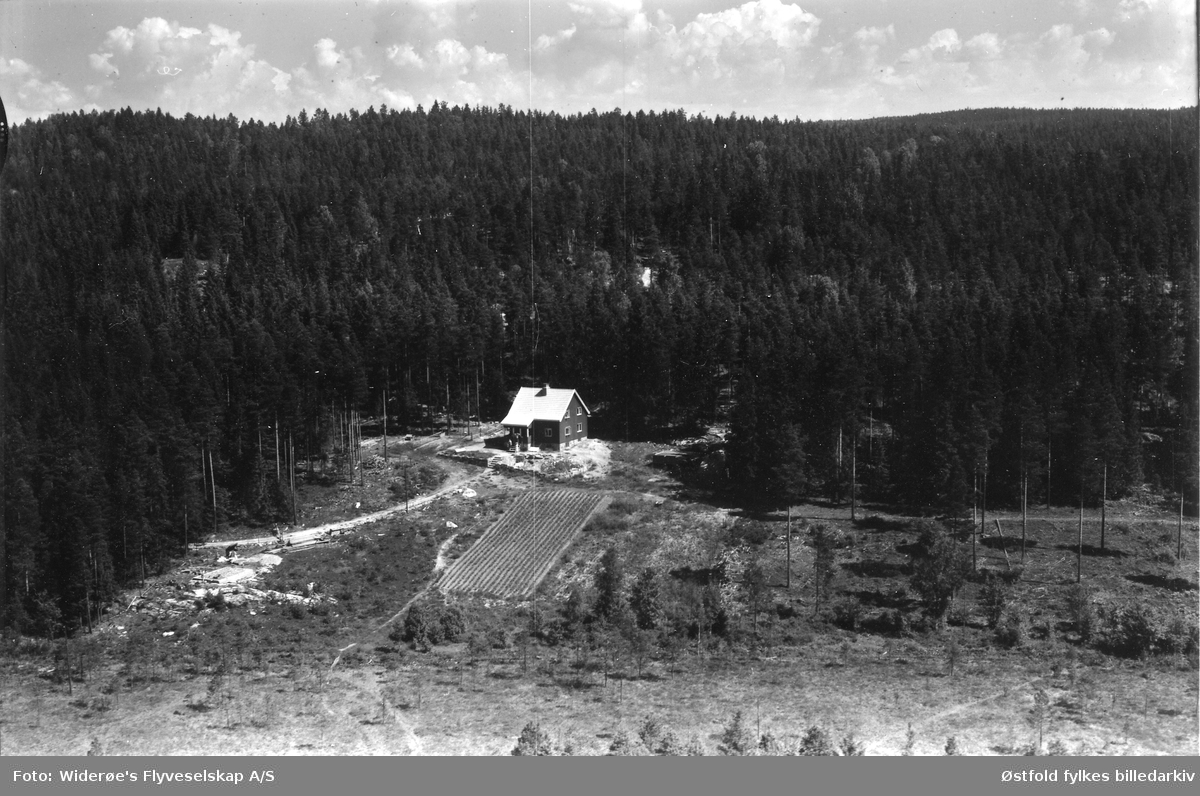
1003	543
1049	442
1179	530
1103	504
385	397
292	475
854	475
277	472
975	499
789	547
213	476
1024	510
1079	554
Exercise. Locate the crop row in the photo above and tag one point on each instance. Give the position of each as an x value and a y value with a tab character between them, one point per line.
512	557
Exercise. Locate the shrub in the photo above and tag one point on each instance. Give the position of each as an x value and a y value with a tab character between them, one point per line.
735	740
620	746
749	532
816	743
1131	631
453	624
533	742
940	570
1081	611
952	746
910	741
1010	631
993	599
1181	636
847	613
417	626
650	732
670	746
1057	748
851	747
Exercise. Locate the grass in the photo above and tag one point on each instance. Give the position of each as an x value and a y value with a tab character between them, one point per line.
232	682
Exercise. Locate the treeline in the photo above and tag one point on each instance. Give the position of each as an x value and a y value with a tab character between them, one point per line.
195	304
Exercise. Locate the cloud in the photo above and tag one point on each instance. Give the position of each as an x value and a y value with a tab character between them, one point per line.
615	53
29	94
760	57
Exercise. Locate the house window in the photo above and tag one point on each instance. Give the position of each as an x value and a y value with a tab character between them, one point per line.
549	432
566	431
578	411
579	427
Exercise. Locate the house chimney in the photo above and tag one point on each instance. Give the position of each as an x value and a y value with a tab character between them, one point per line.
542	393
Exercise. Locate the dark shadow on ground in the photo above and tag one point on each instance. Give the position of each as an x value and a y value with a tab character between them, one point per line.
1007	543
1161	582
877	569
1093	550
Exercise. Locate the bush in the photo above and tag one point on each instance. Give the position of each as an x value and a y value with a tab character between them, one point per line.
940	569
993	599
851	747
816	743
533	742
847	613
1010	631
453	624
750	532
1131	631
1081	611
736	739
417	626
1181	636
894	621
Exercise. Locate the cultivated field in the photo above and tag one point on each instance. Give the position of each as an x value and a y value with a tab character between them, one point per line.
512	557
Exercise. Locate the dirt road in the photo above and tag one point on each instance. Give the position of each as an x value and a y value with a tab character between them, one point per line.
308	534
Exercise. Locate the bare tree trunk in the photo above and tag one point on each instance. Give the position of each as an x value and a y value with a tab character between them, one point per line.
292	476
854	475
788	583
1024	511
1079	554
213	475
1103	504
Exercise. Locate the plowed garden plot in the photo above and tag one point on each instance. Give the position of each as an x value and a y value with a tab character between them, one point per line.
512	557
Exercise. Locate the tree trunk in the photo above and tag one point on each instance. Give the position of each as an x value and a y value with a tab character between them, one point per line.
788	580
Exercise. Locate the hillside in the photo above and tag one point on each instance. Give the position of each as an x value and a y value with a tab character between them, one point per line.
201	308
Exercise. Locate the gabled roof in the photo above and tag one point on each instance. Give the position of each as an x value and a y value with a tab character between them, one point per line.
540	403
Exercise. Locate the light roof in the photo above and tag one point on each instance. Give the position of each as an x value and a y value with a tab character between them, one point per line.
540	403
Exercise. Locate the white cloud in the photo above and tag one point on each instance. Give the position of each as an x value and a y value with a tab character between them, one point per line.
29	94
761	57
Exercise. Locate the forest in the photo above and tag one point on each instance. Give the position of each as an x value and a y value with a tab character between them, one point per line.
1000	302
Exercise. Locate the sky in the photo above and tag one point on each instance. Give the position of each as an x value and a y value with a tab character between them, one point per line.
817	59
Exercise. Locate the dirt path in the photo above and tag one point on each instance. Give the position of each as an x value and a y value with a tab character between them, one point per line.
959	708
308	534
440	564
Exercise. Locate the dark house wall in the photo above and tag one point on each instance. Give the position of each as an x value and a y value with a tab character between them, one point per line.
540	440
576	417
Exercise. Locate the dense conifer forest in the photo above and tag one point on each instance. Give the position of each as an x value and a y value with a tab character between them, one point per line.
1002	295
